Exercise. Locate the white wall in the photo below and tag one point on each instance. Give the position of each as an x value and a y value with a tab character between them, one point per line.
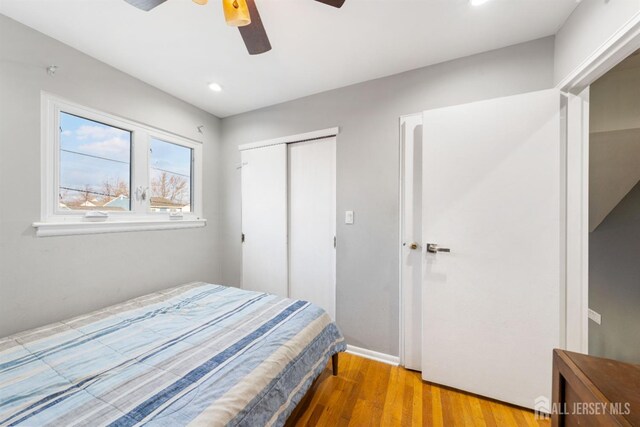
590	25
367	169
48	279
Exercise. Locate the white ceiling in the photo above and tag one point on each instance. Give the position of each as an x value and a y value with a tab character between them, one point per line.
180	47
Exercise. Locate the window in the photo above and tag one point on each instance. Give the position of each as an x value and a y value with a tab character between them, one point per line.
95	165
170	170
103	173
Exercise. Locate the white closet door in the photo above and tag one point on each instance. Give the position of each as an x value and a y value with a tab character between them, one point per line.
312	222
264	219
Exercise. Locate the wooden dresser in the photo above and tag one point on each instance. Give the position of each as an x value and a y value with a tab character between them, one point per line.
591	391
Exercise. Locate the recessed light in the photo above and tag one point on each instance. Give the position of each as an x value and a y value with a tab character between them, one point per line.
478	2
215	87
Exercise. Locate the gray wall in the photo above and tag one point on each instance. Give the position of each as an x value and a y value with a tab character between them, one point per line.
614	281
614	169
47	279
368	169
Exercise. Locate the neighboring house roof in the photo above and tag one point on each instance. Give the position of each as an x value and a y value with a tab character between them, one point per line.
95	205
95	208
165	203
120	202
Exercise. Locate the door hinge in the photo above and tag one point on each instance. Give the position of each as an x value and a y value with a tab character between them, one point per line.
335	241
242	238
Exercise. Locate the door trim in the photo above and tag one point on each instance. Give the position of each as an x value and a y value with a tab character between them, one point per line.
300	137
401	210
401	335
620	45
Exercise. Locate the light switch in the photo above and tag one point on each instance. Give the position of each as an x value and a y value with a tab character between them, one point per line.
348	217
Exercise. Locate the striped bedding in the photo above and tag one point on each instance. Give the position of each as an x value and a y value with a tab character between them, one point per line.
197	354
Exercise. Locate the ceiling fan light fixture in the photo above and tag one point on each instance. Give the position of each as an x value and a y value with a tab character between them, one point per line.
236	12
200	2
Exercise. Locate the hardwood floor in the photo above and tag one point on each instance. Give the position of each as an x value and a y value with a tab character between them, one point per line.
368	393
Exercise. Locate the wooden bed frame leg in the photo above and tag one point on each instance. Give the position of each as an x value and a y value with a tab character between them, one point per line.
334	364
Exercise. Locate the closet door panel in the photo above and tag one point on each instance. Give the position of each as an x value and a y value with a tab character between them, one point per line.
312	222
264	219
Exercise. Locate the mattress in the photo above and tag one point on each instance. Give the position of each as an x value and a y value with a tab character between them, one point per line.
197	354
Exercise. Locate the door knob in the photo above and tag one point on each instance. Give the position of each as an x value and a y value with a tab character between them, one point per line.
412	246
434	249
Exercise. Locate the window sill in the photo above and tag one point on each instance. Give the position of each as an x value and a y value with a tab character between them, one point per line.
48	229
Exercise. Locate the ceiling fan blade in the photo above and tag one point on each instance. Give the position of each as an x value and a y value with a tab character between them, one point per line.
334	3
254	35
145	5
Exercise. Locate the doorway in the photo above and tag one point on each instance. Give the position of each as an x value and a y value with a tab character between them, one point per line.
614	213
577	88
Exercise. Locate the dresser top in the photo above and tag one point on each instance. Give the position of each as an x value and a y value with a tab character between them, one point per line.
617	382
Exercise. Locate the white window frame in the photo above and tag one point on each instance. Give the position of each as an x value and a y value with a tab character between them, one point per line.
56	222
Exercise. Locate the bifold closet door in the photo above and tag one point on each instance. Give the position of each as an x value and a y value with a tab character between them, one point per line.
264	219
312	222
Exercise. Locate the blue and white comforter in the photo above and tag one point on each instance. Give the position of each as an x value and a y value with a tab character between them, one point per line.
197	354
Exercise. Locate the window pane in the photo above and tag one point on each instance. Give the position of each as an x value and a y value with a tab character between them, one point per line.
95	165
170	176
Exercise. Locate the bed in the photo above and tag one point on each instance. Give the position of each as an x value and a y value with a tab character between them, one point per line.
197	354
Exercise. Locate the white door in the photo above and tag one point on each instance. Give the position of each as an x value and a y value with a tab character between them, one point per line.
411	259
312	222
264	219
491	194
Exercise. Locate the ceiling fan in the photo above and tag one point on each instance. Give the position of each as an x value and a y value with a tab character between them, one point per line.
238	13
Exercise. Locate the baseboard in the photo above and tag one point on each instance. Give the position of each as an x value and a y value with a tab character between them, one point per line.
373	355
